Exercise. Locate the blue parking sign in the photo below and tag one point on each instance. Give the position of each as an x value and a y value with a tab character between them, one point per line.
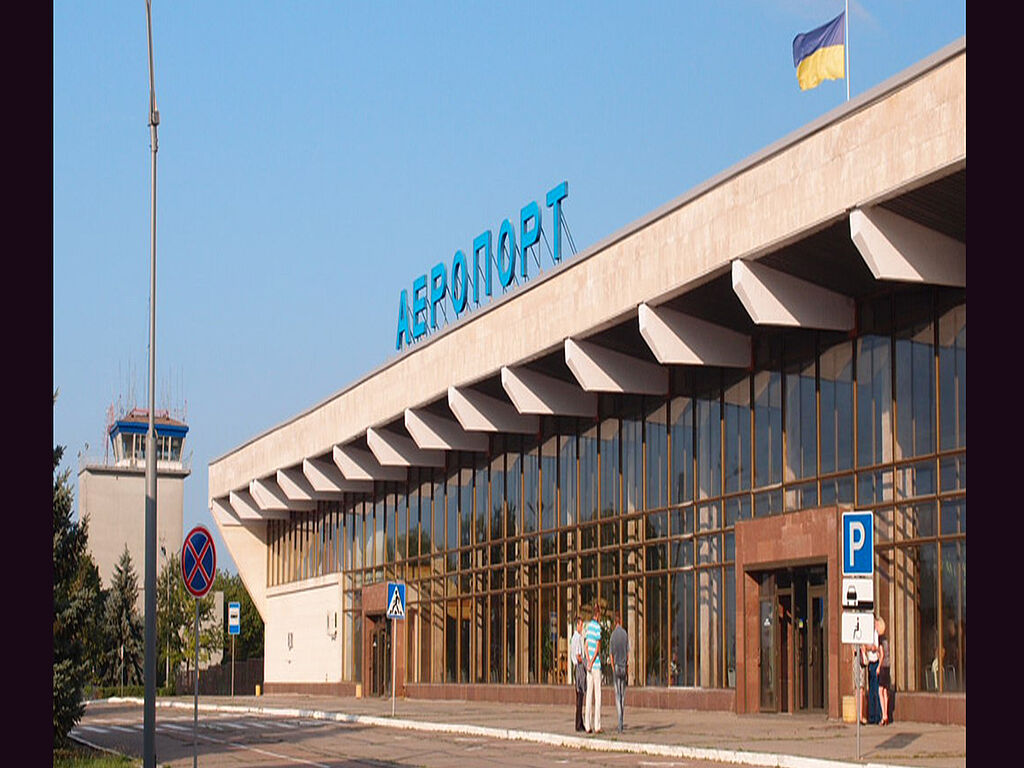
858	544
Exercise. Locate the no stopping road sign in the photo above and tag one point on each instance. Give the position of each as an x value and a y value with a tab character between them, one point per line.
198	561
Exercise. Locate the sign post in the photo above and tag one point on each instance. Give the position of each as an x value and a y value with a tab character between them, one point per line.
198	567
858	594
396	611
234	627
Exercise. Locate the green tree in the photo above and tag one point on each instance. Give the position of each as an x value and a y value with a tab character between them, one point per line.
176	613
71	605
94	627
249	640
125	647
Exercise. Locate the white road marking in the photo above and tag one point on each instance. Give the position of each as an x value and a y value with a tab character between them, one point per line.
257	724
175	727
92	728
266	752
122	728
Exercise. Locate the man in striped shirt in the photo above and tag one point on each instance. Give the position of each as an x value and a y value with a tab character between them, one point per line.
592	638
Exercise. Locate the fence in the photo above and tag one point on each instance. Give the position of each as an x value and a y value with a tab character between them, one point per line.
216	680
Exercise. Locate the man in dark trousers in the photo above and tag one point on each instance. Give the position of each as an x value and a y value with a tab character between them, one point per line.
620	659
579	669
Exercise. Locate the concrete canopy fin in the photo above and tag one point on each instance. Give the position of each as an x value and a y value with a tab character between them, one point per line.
431	431
776	298
325	477
296	486
478	412
534	392
896	248
680	339
599	369
246	508
393	450
357	464
223	513
268	495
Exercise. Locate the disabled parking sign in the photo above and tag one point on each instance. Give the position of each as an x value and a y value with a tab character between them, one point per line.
858	544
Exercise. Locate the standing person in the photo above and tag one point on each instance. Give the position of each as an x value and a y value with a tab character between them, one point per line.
579	668
592	718
619	646
871	656
884	677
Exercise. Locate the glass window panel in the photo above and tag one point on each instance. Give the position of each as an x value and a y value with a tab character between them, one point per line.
737	432
568	495
954	516
916	480
874	487
915	639
682	449
588	486
801	421
709	549
884	526
954	616
953	378
802	497
682	669
656	446
466	502
549	485
681	551
451	503
438	510
480	501
531	486
874	400
682	520
953	472
767	428
709	620
768	503
609	467
915	391
656	525
916	521
737	508
836	391
513	486
730	626
837	490
378	532
709	436
390	526
497	505
709	517
656	636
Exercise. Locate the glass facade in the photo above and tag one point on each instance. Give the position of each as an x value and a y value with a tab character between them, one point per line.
637	509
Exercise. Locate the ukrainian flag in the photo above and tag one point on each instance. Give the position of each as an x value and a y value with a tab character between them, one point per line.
818	54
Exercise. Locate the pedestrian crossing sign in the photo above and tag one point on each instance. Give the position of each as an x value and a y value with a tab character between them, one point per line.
396	600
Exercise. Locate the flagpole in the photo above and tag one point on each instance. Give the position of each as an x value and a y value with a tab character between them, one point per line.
846	47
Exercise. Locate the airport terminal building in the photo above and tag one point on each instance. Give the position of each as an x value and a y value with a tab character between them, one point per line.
668	424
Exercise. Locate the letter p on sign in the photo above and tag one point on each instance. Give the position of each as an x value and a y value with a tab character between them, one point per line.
858	544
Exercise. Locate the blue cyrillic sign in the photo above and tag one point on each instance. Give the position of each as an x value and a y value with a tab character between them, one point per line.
430	290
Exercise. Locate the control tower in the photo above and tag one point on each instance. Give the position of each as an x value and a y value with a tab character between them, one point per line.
113	494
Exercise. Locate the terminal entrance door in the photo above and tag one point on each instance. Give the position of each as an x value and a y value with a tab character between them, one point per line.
380	656
793	639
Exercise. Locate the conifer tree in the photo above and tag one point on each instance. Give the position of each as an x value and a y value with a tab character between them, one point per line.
126	650
71	605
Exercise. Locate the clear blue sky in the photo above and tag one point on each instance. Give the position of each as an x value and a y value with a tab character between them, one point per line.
315	157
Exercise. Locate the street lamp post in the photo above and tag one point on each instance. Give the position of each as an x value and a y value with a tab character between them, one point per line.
149	701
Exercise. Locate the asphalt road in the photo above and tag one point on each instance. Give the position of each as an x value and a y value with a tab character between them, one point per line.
228	740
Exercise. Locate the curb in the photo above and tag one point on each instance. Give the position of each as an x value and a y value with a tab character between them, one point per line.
771	760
